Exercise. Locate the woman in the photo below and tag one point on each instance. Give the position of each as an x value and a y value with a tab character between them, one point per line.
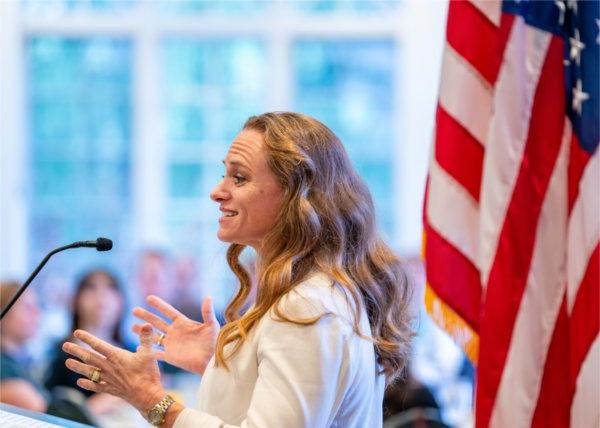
99	308
17	386
330	320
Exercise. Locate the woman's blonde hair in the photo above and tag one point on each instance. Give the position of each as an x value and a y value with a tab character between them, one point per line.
326	224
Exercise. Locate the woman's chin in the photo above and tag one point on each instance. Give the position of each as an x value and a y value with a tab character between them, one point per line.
223	236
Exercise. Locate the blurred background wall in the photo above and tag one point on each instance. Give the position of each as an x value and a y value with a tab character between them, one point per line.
117	113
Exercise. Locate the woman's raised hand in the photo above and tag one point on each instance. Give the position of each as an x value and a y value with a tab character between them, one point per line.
133	376
186	343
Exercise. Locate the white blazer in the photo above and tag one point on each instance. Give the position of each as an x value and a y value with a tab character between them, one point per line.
287	375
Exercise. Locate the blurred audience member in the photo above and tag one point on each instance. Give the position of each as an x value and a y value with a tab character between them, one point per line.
154	274
185	282
98	305
17	386
410	404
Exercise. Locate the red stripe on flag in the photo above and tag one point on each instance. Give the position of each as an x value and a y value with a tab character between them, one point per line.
509	272
584	318
552	409
476	39
453	277
578	159
458	152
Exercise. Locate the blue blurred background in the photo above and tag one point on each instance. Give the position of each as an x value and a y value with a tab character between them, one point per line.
116	115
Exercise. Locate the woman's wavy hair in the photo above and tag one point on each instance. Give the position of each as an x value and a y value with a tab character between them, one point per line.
327	224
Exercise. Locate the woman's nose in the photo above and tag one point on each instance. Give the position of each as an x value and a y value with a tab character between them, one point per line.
219	193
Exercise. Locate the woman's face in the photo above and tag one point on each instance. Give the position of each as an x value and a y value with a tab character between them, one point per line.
99	304
249	196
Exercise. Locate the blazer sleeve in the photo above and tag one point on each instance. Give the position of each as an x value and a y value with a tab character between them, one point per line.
303	372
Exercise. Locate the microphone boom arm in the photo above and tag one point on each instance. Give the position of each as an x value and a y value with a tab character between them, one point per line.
99	242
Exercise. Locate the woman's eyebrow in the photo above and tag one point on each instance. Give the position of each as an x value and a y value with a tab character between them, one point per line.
236	164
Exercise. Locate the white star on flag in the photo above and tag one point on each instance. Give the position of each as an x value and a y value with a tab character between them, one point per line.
561	10
579	97
576	47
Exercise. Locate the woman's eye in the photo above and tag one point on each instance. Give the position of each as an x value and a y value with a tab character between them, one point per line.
238	179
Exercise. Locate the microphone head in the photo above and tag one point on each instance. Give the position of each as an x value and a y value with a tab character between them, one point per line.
103	244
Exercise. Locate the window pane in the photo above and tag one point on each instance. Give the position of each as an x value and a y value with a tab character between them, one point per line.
56	7
219	6
210	89
355	6
79	101
347	85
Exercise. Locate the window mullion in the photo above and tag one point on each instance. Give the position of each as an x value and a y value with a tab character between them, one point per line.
281	72
148	154
14	151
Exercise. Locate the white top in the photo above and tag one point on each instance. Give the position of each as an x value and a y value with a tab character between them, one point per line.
289	375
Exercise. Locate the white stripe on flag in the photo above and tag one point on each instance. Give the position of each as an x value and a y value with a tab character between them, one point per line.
585	411
540	304
515	91
462	82
458	223
584	228
491	9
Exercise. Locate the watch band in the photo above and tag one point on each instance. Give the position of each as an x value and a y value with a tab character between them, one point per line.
156	415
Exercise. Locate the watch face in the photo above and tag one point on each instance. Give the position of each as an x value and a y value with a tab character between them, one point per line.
155	416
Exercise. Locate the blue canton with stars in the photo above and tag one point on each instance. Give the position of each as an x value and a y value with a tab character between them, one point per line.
578	23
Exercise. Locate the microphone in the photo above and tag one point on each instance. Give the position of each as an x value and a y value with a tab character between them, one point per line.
100	244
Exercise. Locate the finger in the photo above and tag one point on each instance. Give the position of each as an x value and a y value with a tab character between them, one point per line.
137	328
147	316
169	311
81	368
160	355
85	355
92	386
146	337
98	345
208	311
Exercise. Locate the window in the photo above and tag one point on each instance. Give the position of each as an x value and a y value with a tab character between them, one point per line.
346	84
79	111
210	87
126	108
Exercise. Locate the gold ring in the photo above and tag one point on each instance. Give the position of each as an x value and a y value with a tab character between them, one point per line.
95	377
160	339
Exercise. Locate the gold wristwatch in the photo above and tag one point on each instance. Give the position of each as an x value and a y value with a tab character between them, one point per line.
156	415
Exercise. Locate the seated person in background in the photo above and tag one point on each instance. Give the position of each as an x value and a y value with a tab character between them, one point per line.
98	306
408	403
17	386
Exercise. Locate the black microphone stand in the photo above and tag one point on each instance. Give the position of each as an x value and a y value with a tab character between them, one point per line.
98	243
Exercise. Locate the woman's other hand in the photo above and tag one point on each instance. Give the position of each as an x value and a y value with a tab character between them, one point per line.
133	376
186	343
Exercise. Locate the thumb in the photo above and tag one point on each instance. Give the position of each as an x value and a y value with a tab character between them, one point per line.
208	312
146	337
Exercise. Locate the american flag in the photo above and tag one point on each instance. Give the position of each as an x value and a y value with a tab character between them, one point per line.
511	214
